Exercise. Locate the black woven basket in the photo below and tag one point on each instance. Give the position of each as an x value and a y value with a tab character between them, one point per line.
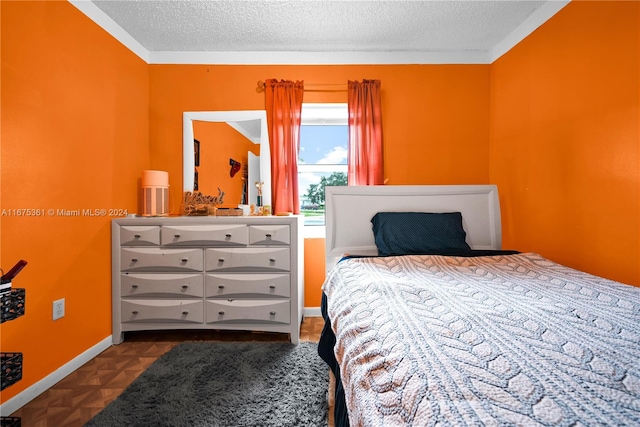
10	422
11	369
12	304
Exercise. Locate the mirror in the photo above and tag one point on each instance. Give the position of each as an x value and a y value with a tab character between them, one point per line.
250	123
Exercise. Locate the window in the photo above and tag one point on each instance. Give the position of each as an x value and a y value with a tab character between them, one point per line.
322	161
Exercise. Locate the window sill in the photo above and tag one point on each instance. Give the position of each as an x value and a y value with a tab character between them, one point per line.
314	231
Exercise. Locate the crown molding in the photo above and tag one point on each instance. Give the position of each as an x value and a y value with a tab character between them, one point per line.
535	20
94	13
528	26
317	58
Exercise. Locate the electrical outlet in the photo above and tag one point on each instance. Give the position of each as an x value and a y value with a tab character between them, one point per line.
58	309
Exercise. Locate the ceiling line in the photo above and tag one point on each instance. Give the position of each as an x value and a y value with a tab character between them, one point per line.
532	22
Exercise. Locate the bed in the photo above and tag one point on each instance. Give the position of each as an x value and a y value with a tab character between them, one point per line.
432	327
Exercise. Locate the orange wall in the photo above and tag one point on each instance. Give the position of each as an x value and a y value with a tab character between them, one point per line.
435	121
438	113
565	139
74	131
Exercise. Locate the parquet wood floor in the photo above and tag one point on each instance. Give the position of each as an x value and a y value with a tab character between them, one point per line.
78	397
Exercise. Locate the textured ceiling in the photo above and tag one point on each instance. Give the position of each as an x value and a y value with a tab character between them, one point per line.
340	26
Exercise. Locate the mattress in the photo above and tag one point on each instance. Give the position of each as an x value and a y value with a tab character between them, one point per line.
490	340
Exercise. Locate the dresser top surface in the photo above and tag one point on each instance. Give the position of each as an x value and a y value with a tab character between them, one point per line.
204	220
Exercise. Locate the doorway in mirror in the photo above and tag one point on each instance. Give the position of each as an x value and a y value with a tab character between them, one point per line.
241	135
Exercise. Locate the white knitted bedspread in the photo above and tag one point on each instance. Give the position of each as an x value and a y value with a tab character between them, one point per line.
496	341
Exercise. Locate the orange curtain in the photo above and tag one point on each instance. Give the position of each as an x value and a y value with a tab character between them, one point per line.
284	108
365	133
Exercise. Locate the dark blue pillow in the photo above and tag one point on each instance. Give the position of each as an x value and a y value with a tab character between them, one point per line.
412	233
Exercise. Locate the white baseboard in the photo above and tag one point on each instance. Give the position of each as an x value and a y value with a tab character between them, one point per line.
312	312
18	401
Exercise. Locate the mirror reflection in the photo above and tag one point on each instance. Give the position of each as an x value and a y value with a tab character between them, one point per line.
227	151
223	155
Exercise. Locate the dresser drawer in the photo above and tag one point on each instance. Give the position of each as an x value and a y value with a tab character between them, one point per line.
247	311
186	311
247	285
157	259
248	259
168	285
218	235
139	235
269	235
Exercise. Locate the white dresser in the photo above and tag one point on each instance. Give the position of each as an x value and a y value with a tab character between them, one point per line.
239	273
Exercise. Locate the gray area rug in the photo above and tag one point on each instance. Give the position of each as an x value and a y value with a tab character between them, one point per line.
226	384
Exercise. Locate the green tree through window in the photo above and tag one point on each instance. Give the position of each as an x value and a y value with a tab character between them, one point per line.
315	192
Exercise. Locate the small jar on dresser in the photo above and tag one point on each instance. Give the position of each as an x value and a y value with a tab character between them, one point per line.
227	273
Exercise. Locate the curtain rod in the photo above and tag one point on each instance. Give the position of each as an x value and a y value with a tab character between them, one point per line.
262	86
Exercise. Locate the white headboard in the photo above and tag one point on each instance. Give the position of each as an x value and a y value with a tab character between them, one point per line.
349	211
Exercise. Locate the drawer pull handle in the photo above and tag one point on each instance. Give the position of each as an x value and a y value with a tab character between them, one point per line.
272	259
272	287
177	236
134	286
220	287
185	286
137	236
185	259
221	313
185	312
220	259
134	312
134	259
268	236
227	235
273	313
